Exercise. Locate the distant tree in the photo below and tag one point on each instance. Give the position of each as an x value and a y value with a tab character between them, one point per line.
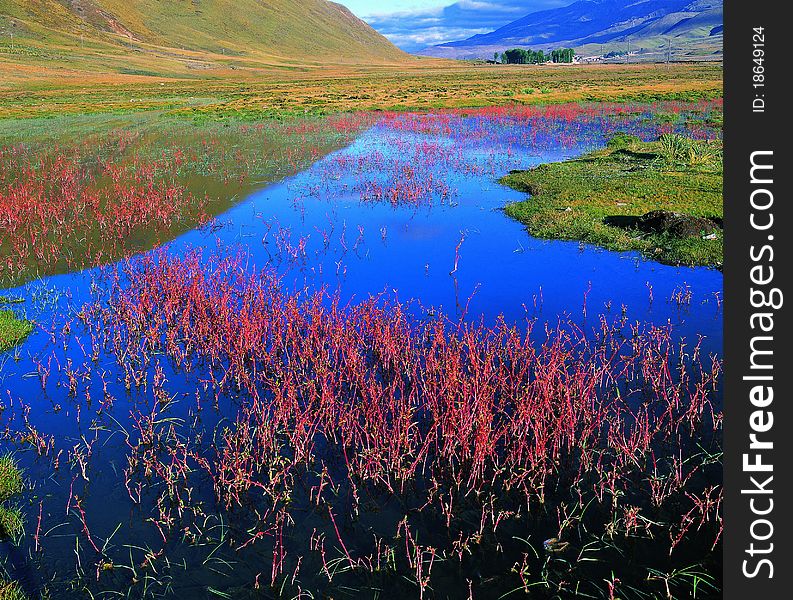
516	56
495	56
561	55
521	56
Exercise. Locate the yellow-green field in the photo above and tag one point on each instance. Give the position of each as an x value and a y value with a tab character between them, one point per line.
420	85
253	59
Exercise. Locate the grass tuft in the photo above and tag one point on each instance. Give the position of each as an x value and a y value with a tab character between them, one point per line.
11	590
12	522
10	477
13	330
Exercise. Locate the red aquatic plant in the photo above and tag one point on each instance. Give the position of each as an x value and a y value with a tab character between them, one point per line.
580	435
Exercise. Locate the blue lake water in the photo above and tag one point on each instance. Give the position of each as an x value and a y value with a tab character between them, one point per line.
357	248
335	227
317	233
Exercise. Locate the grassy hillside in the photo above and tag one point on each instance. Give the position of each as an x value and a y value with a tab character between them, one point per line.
681	36
183	37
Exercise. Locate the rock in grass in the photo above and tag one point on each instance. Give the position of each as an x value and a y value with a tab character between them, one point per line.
676	224
666	222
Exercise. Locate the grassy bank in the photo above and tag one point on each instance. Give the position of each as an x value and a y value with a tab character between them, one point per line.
580	199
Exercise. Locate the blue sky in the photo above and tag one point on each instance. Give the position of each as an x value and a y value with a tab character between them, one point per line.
414	24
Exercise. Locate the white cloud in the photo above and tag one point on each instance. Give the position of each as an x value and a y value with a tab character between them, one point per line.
417	28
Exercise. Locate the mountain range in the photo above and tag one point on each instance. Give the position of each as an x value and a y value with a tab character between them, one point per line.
653	28
178	36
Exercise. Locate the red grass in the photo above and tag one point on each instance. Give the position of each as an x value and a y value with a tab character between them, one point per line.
601	430
53	206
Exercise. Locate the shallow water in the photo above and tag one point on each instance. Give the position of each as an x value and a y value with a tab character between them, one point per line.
357	248
333	227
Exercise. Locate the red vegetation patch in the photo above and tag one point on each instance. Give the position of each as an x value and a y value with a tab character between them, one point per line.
463	436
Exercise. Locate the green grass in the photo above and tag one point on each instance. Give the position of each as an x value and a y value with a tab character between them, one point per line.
12	522
570	200
11	482
256	94
11	590
12	329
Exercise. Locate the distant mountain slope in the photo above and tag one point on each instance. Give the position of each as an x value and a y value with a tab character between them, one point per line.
279	31
651	24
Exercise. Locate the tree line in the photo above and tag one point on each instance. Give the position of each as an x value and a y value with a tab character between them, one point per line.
520	56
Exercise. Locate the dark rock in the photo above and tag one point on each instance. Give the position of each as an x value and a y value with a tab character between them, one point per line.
678	225
622	221
665	221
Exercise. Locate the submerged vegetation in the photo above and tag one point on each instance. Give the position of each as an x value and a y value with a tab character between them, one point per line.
307	448
71	201
584	198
